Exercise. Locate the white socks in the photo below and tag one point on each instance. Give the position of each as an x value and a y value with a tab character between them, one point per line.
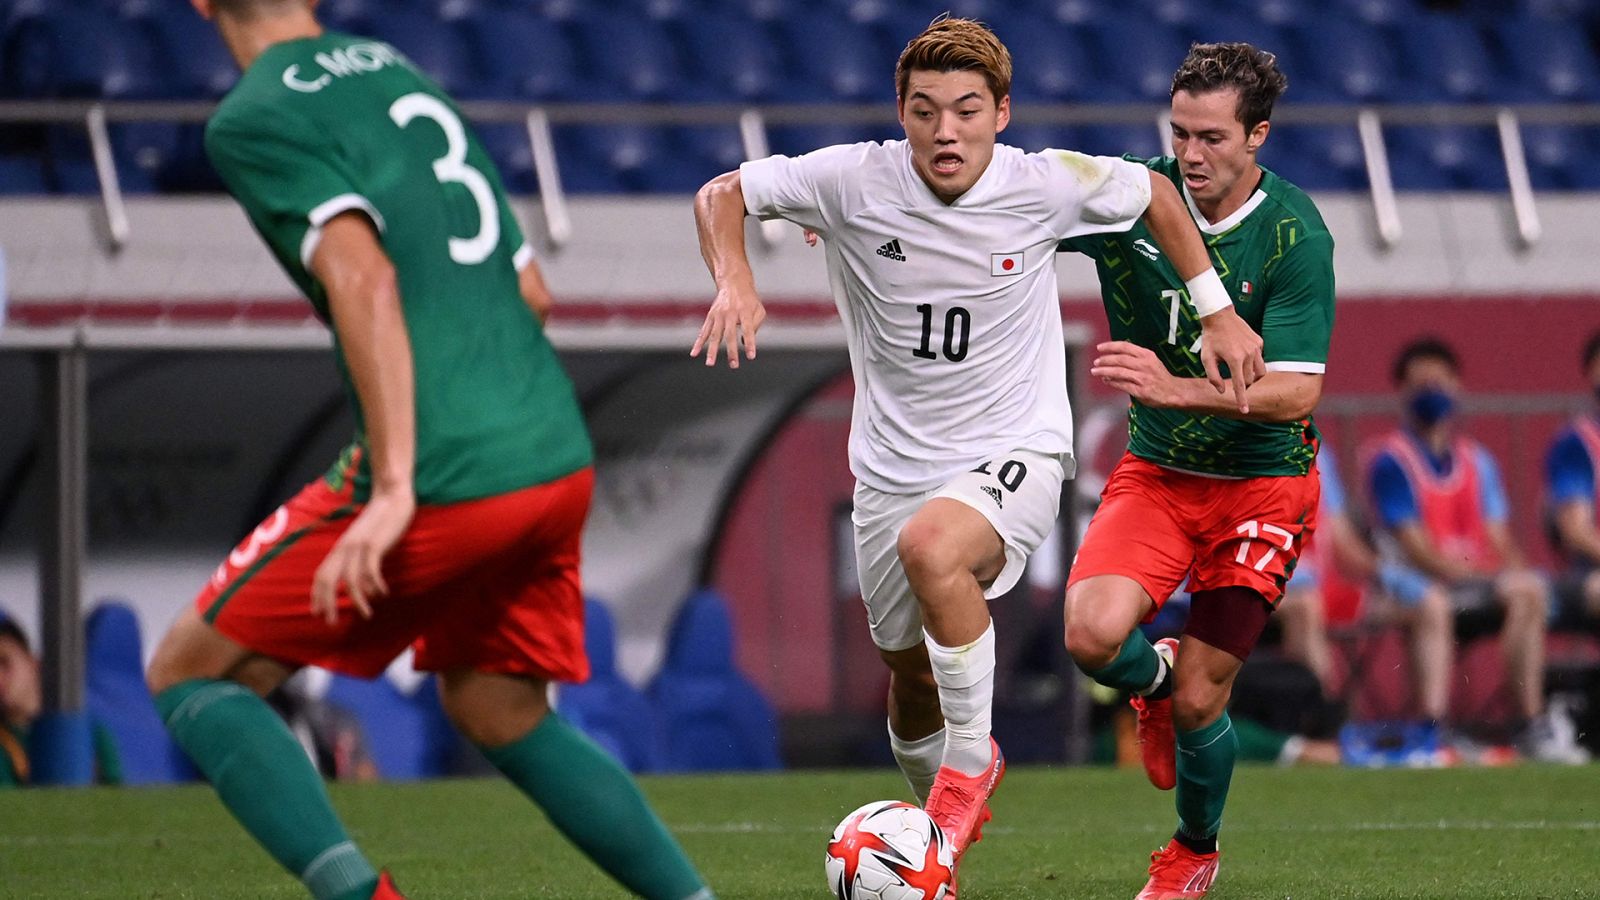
965	676
919	760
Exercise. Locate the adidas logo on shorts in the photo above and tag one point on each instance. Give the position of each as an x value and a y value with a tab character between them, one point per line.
995	495
892	251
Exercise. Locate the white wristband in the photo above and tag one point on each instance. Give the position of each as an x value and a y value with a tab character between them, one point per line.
1207	293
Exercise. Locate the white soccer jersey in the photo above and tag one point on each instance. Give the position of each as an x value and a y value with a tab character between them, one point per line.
951	311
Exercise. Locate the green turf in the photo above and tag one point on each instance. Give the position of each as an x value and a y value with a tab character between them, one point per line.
1060	833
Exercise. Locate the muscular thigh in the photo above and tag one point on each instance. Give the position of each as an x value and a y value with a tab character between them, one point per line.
1138	533
1019	493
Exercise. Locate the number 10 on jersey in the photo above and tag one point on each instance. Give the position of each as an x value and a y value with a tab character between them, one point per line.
957	329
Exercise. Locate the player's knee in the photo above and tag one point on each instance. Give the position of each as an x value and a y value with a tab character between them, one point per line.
925	550
1433	612
1196	705
1092	643
493	711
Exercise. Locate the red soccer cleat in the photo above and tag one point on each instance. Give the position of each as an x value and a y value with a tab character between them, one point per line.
960	803
386	889
1178	873
1158	744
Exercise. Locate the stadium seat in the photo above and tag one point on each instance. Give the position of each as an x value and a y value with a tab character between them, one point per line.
1552	58
1374	12
713	148
708	715
200	63
732	56
68	53
22	175
634	57
794	140
1448	56
1050	63
1445	158
71	163
1034	138
507	144
524	56
639	159
1232	26
1072	12
119	702
608	709
408	733
1272	12
1353	60
1561	157
835	59
1136	57
1115	140
1317	157
436	48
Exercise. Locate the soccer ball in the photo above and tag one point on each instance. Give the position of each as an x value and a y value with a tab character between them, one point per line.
888	850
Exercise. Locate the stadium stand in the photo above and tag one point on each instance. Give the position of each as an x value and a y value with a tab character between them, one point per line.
765	51
608	709
407	732
708	715
119	702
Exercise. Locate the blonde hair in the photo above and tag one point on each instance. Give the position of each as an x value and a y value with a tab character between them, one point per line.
956	45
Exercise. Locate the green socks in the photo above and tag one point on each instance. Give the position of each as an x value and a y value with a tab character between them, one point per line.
1137	668
596	804
265	779
1205	766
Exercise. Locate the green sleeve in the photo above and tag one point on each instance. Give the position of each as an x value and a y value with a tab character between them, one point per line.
1297	323
287	176
107	760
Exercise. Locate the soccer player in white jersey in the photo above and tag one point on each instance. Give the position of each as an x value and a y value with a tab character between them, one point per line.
940	257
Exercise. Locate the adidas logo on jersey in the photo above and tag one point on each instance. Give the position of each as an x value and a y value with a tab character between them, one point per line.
995	495
892	251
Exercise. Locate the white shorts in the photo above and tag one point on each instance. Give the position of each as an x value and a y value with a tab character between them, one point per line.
1018	492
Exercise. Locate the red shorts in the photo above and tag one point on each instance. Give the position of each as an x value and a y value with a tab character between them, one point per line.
489	584
1159	526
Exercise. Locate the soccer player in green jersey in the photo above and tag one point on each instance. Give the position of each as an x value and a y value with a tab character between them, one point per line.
1220	496
453	522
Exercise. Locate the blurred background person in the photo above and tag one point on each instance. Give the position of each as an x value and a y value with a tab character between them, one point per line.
1572	492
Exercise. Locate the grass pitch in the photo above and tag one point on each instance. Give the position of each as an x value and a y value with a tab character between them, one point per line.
1060	833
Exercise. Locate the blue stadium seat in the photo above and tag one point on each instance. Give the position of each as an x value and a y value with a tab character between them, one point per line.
1449	57
349	16
21	174
612	712
1272	12
1353	60
409	735
794	140
714	148
1230	27
708	715
626	158
733	55
634	57
1138	57
1115	140
834	59
1166	12
1552	58
1034	138
1316	157
1562	157
67	52
1050	62
507	144
1445	158
71	163
1073	12
119	702
1374	12
200	63
437	48
524	56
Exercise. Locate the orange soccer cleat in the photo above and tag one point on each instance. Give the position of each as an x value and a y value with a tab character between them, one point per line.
1158	744
386	889
1178	873
959	803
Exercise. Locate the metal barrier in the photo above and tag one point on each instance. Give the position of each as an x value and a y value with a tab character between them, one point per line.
753	122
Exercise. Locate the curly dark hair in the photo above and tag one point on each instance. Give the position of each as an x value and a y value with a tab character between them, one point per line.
1254	73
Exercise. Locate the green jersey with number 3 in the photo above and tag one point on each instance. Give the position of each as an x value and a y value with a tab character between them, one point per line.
325	125
1275	257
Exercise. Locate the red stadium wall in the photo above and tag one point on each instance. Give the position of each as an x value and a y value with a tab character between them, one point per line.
775	558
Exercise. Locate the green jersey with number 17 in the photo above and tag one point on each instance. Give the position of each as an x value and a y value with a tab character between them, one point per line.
1275	257
324	125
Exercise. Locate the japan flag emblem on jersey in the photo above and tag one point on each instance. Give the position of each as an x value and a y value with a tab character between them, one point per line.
1003	264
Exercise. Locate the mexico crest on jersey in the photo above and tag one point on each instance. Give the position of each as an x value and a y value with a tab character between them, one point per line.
1002	264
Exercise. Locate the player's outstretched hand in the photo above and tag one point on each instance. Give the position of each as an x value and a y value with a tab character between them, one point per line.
736	314
356	561
1134	370
1226	338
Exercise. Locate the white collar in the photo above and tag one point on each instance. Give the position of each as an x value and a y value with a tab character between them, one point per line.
1235	218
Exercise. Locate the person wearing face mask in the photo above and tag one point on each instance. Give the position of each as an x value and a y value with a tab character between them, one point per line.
1441	512
1572	497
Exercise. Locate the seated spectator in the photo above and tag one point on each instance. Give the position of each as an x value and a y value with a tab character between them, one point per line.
21	701
1572	491
1443	519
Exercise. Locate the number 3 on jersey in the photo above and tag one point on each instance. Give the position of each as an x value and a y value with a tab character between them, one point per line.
957	329
451	168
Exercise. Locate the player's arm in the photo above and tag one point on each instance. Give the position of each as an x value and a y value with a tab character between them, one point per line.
1496	507
364	302
736	312
1574	521
1352	554
1421	553
530	282
1395	505
1227	337
1138	372
1569	481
